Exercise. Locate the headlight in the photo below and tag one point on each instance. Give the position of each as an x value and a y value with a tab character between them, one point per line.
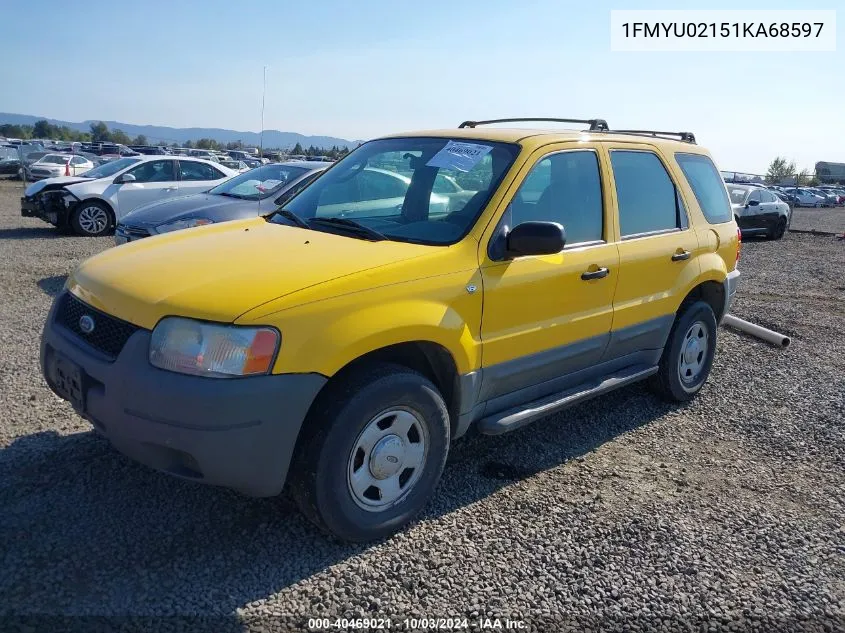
216	351
178	225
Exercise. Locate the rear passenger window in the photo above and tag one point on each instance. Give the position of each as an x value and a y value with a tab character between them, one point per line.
647	198
565	188
190	170
707	185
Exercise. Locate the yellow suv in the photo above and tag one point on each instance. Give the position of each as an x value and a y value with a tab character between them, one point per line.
425	284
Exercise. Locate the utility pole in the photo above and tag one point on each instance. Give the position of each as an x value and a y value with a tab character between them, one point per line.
263	94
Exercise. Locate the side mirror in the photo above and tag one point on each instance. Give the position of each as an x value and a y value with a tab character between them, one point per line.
753	203
535	238
124	178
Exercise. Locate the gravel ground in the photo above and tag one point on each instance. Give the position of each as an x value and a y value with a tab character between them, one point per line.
625	514
826	220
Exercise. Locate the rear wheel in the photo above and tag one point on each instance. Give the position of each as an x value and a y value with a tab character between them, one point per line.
688	355
372	453
92	218
778	231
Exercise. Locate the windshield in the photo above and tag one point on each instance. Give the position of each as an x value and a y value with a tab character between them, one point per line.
260	183
392	186
738	195
110	168
55	159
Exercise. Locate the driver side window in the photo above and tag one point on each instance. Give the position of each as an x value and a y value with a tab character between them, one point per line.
564	187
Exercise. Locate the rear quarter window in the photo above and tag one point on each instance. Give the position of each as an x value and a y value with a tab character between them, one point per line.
707	185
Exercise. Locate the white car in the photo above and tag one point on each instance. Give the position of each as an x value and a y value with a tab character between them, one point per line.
92	203
804	198
53	165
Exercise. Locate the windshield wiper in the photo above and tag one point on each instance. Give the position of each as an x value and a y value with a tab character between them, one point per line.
290	215
352	225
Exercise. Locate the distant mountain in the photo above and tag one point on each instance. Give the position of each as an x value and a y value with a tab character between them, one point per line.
161	134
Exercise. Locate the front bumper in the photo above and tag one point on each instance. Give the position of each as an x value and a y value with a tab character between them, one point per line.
49	206
239	433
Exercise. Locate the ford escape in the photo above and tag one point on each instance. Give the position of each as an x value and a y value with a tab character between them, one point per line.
341	343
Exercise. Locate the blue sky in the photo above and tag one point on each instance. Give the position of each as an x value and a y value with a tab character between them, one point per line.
361	69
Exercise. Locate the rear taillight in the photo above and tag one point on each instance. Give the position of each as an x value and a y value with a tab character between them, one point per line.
738	243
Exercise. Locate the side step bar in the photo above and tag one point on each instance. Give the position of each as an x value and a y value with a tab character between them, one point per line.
517	417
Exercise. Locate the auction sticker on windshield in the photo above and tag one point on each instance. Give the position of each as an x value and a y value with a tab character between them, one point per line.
460	156
267	185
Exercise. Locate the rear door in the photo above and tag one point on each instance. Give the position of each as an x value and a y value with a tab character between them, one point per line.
78	165
196	177
657	249
154	180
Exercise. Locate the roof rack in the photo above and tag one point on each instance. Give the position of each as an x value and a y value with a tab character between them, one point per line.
596	125
686	137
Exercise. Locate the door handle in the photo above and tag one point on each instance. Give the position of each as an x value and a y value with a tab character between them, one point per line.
680	256
169	189
595	274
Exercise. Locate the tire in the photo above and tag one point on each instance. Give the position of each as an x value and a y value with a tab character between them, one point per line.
354	453
779	230
92	218
667	382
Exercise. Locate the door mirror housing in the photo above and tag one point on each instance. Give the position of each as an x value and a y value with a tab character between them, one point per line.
753	203
535	238
124	178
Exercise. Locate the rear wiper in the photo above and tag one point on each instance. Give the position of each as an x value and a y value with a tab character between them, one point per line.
290	215
354	226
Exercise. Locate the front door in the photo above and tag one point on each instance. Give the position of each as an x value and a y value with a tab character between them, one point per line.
547	316
154	180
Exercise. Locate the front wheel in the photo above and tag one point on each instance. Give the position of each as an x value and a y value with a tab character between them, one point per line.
372	453
688	355
92	218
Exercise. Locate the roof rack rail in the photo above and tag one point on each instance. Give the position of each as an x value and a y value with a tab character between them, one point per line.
596	125
687	137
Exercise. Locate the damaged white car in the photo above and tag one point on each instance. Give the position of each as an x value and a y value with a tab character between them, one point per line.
91	204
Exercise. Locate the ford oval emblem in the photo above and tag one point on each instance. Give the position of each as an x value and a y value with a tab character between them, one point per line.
86	324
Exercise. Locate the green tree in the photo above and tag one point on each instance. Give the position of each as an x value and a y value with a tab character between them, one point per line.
780	170
297	149
802	178
188	144
119	136
42	129
207	143
100	132
14	131
140	140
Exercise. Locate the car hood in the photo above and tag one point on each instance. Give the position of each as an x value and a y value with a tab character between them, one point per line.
220	271
208	205
54	183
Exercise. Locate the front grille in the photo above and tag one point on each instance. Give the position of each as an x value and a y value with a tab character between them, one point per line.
109	334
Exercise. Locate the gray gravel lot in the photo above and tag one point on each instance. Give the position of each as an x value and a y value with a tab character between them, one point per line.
825	220
725	514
